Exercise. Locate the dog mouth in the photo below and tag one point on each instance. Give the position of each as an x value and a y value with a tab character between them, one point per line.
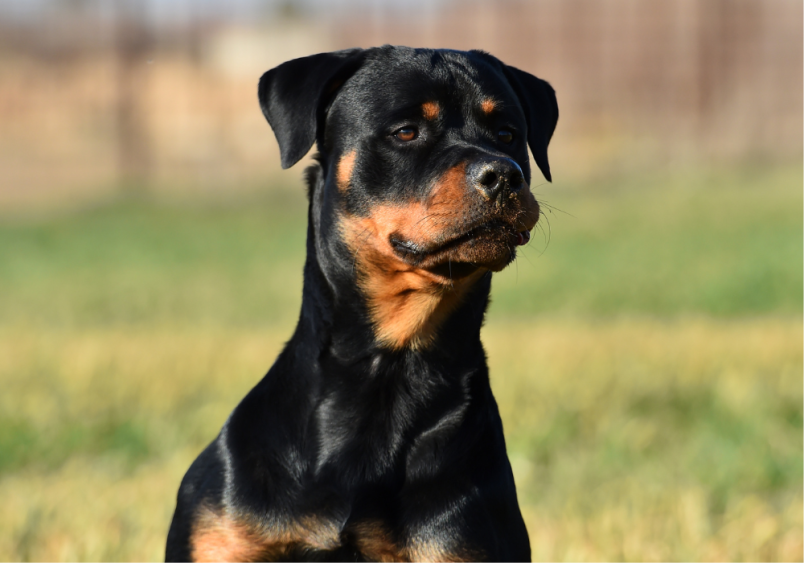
490	245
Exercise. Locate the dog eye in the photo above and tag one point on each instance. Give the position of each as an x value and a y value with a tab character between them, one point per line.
505	136
406	134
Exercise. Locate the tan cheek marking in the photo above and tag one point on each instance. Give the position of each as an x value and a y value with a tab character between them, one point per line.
488	105
218	537
431	110
406	304
450	194
346	166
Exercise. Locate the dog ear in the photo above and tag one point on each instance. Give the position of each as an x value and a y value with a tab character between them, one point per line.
538	99
294	96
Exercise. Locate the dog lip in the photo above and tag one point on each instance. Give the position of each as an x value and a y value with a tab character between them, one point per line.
415	253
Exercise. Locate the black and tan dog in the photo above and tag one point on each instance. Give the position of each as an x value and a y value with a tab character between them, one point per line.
375	435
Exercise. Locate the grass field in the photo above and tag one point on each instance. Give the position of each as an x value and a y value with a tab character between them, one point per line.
647	362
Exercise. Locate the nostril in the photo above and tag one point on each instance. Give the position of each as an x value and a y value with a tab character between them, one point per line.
488	179
516	180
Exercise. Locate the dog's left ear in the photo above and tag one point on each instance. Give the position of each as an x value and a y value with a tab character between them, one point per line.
538	99
294	96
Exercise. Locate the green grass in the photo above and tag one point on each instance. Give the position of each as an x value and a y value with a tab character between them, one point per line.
725	244
647	363
139	263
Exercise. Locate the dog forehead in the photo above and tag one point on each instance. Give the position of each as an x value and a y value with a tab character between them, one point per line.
398	77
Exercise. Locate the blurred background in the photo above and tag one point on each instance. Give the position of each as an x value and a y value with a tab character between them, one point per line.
645	348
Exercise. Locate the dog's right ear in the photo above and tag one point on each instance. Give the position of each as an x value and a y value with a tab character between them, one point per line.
294	97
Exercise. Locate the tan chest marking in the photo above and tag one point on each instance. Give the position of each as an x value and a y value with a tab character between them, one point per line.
376	543
220	537
430	551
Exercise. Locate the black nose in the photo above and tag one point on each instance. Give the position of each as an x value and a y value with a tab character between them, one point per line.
493	176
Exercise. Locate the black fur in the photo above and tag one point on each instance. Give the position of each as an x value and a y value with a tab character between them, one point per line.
348	429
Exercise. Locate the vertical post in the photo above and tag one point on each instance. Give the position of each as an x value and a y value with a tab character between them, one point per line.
132	46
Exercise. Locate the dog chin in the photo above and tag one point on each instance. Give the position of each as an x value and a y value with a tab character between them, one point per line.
460	268
484	253
491	250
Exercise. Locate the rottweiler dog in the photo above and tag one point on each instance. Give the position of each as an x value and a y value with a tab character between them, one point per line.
375	435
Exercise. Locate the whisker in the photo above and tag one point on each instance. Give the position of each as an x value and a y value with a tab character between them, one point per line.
552	208
524	254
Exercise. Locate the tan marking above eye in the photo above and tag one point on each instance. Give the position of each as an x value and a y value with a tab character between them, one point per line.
488	105
431	110
345	168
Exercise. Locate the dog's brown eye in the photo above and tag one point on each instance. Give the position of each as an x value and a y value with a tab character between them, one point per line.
505	136
406	134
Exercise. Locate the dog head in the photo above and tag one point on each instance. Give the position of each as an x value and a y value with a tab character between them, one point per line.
426	175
